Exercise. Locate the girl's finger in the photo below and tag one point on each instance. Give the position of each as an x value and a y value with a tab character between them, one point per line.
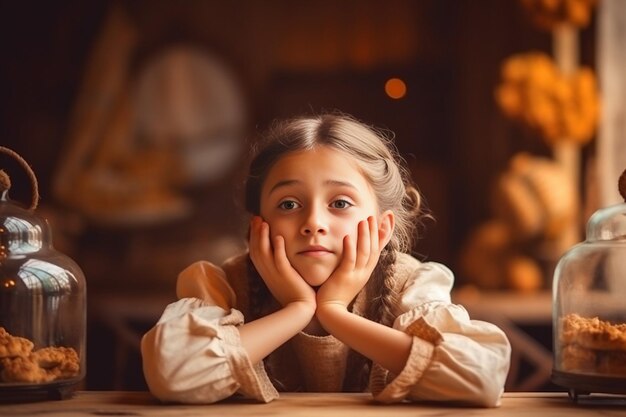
364	243
375	236
260	247
264	239
280	254
374	241
348	258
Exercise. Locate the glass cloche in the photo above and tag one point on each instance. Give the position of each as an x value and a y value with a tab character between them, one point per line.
589	307
42	305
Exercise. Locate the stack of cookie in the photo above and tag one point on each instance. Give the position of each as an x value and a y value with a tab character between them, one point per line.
19	363
591	345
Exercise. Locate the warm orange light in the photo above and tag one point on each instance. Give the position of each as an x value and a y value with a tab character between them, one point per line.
395	88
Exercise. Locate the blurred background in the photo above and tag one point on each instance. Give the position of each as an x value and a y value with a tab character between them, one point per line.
136	117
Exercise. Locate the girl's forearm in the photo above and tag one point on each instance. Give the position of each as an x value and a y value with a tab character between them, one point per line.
264	335
384	345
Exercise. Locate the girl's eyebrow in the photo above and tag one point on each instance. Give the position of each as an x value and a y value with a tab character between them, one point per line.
340	183
285	183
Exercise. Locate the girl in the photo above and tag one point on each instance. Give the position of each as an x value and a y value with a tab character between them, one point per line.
331	299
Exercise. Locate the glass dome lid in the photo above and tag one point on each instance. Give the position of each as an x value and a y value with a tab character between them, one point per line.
589	313
21	231
42	303
610	223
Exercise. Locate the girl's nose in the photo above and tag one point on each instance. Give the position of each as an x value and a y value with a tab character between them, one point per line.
314	224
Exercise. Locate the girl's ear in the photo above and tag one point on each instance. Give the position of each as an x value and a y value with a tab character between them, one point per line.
385	227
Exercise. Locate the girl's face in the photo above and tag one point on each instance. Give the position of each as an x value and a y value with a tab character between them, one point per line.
313	199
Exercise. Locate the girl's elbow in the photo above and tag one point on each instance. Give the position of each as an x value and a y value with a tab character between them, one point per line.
491	387
484	382
171	378
189	390
491	396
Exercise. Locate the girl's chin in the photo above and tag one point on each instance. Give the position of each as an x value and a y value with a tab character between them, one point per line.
314	278
315	282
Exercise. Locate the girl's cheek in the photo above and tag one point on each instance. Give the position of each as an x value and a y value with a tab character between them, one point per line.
276	228
351	230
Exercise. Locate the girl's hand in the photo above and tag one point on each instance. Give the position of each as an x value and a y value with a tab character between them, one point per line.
356	267
283	281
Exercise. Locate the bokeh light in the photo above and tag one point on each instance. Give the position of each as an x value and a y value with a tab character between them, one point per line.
395	88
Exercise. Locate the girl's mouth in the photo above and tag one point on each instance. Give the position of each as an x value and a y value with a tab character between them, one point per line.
315	251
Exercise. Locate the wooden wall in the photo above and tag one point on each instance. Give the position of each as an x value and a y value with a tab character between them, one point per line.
294	57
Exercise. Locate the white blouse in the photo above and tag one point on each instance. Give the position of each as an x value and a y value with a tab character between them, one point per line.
194	354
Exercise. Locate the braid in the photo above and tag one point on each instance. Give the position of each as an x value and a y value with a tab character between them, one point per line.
388	294
380	289
380	295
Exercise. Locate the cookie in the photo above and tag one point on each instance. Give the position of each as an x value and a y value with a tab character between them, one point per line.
593	333
12	346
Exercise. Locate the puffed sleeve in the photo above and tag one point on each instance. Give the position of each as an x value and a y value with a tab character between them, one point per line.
194	354
453	358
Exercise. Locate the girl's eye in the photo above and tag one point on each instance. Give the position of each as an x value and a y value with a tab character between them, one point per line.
288	205
341	204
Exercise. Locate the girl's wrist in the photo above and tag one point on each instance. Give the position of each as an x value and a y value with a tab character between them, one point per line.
325	311
302	308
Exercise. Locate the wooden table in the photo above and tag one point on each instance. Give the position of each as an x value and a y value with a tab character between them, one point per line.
129	403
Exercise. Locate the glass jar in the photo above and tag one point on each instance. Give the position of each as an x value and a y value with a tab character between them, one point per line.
589	308
42	308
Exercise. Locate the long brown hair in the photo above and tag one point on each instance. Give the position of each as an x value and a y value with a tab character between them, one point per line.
380	163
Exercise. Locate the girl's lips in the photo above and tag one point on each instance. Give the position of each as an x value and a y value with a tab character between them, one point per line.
315	251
